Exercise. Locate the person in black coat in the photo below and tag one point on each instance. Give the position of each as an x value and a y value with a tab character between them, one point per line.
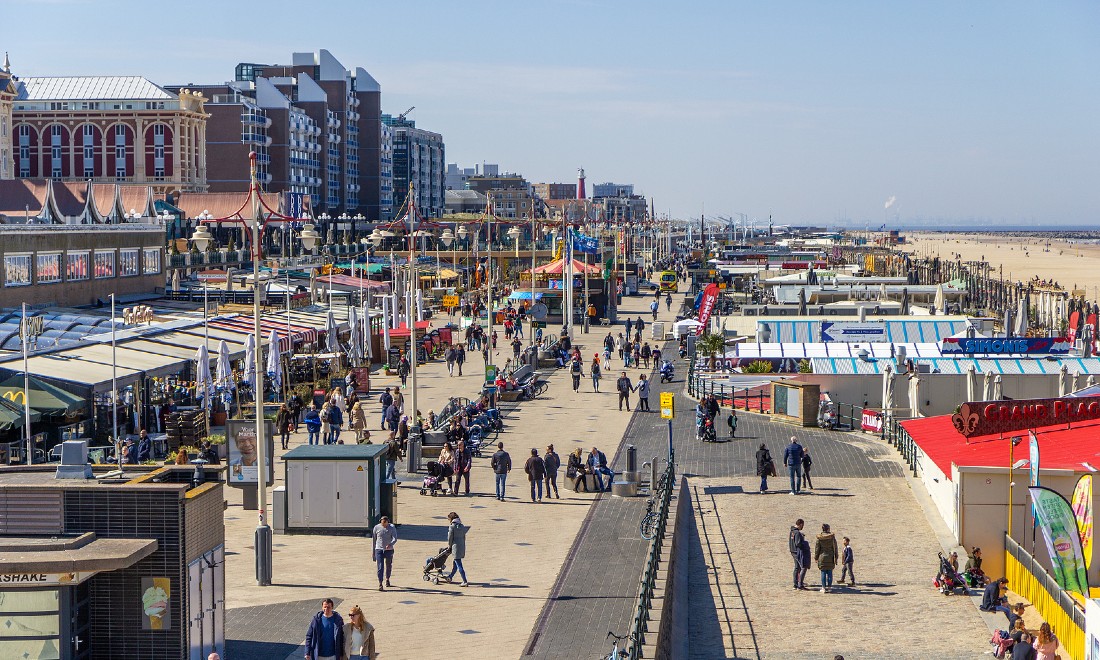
764	466
807	462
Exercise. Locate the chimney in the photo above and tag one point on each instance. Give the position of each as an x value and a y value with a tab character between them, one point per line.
580	184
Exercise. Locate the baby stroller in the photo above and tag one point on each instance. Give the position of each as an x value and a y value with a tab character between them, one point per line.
433	566
947	580
975	578
707	433
433	483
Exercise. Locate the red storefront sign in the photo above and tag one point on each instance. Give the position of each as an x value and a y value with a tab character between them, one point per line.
988	417
872	421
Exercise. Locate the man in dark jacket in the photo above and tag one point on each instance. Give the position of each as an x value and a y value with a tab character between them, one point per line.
792	458
794	545
386	400
501	464
993	601
536	472
144	447
597	461
552	463
325	637
464	459
624	389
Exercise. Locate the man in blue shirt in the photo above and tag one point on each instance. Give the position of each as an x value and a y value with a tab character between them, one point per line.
792	458
325	637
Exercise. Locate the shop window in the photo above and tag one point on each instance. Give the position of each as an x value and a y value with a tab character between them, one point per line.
128	262
76	266
17	270
48	268
150	261
104	264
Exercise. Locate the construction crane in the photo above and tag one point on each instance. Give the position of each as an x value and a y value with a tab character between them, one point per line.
401	117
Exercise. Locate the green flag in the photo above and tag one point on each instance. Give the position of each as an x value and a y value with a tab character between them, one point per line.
1055	518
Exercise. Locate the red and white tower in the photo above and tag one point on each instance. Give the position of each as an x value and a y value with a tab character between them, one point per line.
580	183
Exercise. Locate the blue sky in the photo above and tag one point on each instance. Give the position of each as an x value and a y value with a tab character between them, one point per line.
809	111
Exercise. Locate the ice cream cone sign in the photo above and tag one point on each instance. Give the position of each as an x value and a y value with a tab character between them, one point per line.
155	603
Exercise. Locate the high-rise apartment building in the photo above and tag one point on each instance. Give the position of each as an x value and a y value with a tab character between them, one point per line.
549	191
418	159
612	190
316	127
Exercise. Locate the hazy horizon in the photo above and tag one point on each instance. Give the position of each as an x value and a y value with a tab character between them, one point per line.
811	112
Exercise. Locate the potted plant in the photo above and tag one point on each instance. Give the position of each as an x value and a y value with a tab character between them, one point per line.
711	345
217	440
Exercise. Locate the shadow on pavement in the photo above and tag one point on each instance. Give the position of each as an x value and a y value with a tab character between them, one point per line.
243	649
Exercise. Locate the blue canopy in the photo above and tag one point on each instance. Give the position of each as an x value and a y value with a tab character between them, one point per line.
524	295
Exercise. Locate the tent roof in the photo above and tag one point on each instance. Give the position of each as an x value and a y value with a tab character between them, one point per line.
45	398
12	415
557	267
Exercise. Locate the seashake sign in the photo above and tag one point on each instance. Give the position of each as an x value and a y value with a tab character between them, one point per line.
1006	346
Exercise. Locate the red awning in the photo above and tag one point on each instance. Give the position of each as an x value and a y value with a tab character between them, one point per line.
1060	448
557	267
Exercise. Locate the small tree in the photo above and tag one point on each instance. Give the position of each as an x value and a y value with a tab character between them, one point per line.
758	367
804	367
711	345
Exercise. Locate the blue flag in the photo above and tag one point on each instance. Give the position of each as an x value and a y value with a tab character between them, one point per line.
584	244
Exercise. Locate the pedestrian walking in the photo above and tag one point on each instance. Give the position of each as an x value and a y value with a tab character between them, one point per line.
629	326
552	462
765	467
643	392
295	405
848	560
607	357
385	537
456	541
576	370
282	425
653	308
325	636
731	422
357	421
620	344
386	400
792	458
800	553
639	325
450	356
393	454
594	371
647	352
536	473
403	368
807	462
668	302
336	423
624	388
326	422
501	464
519	328
825	553
358	637
460	357
464	460
517	346
312	421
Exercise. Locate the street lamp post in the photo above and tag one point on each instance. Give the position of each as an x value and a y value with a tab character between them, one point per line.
255	224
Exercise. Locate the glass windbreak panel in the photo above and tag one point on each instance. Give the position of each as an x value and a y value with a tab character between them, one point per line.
31	649
16	601
29	625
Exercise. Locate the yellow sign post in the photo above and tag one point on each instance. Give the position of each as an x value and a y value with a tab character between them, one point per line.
668	407
450	301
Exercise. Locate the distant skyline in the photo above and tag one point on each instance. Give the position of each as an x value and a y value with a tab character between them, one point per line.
810	112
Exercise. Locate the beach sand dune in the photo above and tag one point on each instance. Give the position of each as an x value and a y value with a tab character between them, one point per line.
1074	265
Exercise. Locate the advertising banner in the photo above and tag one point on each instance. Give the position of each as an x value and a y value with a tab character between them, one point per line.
1074	321
240	435
1011	346
1055	518
156	596
706	307
1033	446
985	417
872	421
1082	512
851	332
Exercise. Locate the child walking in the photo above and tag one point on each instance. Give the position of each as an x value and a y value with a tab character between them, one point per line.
731	422
848	560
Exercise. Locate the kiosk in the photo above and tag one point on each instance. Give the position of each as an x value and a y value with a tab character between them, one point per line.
337	488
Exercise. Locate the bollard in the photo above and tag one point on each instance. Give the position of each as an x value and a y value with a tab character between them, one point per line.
631	458
653	476
413	454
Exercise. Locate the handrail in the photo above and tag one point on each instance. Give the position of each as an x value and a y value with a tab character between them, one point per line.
644	600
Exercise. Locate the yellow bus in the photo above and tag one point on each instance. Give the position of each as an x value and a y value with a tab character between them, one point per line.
668	281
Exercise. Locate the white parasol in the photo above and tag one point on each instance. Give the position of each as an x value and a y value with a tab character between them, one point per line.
355	348
332	344
249	360
204	386
274	361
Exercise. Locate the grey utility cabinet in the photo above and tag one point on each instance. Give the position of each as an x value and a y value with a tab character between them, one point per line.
333	488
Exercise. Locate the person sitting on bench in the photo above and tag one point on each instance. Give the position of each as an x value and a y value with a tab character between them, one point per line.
597	463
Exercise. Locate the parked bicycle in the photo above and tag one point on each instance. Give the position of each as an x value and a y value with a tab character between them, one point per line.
616	652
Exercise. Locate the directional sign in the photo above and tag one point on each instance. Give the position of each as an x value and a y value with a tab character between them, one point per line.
450	301
849	332
668	407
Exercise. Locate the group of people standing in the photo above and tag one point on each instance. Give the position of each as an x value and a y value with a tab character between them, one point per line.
633	352
826	553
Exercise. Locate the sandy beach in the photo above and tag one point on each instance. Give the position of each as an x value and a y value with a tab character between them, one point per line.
1073	265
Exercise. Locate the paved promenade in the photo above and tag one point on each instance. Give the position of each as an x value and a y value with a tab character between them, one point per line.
515	549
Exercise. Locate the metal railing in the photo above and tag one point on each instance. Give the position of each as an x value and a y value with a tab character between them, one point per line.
750	399
643	603
1054	595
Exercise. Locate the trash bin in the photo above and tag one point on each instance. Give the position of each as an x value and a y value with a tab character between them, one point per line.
631	472
413	453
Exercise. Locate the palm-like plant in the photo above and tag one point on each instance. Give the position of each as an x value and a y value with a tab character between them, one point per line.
711	345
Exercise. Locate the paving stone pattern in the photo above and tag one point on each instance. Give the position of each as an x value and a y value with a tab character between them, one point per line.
595	591
268	631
